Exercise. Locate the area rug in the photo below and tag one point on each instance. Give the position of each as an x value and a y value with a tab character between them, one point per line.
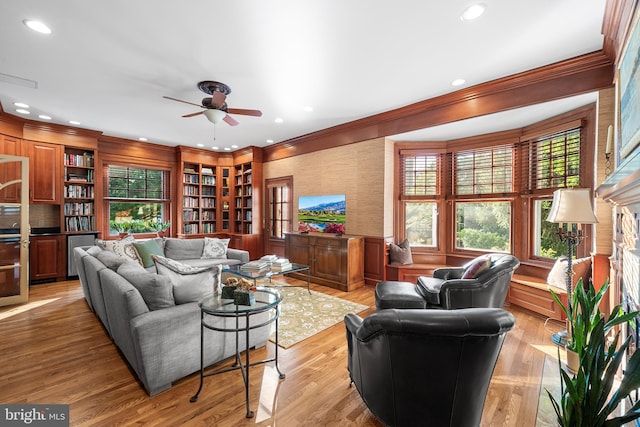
303	315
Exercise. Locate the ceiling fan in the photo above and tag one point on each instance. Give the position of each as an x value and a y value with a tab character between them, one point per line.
215	107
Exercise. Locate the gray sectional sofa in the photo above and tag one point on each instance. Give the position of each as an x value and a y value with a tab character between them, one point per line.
159	338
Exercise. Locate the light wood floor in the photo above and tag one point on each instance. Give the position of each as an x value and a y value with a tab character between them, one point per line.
54	350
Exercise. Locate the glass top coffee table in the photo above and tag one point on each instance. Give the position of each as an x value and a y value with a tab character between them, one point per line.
268	273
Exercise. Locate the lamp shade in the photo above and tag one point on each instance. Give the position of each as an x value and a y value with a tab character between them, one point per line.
572	205
214	116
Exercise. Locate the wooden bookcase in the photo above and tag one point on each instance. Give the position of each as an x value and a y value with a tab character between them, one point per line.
78	209
218	195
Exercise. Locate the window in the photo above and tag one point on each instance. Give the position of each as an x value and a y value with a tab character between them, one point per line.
546	243
484	171
419	187
483	226
553	161
137	196
467	192
420	220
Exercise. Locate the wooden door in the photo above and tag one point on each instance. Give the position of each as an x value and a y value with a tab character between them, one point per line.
14	233
45	172
278	214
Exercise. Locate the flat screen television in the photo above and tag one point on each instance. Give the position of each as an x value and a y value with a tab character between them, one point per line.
323	214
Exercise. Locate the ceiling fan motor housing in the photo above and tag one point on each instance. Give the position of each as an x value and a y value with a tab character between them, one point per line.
209	87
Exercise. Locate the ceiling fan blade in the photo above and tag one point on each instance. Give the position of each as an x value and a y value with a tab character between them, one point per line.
193	114
217	98
230	120
245	112
180	100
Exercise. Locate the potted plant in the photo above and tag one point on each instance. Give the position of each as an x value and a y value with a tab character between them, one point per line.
590	396
122	227
159	227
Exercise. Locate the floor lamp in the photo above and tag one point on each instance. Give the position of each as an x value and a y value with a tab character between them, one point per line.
571	208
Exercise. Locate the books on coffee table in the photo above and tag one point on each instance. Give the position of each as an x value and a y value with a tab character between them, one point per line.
254	265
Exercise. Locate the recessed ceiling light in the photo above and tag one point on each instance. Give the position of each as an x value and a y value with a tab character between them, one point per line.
269	141
227	149
200	145
37	26
21	105
234	146
22	111
74	122
279	120
457	82
473	12
44	117
142	138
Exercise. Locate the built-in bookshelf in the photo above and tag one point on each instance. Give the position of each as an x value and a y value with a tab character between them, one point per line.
243	198
79	191
225	199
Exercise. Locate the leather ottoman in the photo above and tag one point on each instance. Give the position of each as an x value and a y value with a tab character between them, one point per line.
392	294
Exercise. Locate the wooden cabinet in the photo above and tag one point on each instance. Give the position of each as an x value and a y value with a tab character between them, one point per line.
219	195
78	209
47	258
9	171
334	261
45	177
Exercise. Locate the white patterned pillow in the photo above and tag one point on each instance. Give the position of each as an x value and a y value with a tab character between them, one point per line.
190	284
122	247
215	248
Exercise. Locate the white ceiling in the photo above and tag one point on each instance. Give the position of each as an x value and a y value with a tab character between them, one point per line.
109	63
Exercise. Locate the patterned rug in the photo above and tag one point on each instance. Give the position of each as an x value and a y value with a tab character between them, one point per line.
303	315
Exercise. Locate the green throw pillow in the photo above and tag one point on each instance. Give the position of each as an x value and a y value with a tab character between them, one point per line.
146	249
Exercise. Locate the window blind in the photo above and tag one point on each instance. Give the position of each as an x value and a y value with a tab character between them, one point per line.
419	174
551	161
136	183
485	170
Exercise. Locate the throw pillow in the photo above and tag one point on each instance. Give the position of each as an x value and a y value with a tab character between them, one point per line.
215	248
122	247
190	284
401	253
477	267
112	260
156	290
558	275
146	249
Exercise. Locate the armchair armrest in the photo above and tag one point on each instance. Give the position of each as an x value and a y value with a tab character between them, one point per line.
352	322
446	273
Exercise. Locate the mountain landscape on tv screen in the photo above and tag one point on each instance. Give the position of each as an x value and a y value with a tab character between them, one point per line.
338	207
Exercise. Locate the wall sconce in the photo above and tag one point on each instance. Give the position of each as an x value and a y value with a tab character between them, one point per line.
607	151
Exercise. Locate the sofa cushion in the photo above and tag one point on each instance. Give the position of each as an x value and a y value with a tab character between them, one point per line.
156	290
558	275
111	259
183	248
476	267
400	253
190	284
147	248
215	248
122	247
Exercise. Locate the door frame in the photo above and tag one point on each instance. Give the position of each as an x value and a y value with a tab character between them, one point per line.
25	229
274	245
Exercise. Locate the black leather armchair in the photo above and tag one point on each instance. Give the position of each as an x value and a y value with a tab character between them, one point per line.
416	367
448	290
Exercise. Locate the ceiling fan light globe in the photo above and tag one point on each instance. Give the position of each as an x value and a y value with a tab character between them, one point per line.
214	116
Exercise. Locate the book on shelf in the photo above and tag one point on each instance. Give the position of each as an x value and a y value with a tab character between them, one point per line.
207	171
